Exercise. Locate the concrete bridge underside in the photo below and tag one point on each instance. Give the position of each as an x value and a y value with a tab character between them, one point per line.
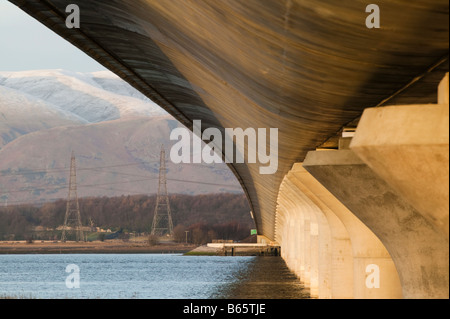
343	211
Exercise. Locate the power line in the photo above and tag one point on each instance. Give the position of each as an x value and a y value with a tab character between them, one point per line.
204	183
53	200
54	170
181	180
65	169
44	188
32	188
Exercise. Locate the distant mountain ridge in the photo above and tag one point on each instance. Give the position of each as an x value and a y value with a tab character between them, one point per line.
94	97
115	132
21	114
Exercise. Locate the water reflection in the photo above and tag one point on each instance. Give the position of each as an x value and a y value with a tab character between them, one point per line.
264	278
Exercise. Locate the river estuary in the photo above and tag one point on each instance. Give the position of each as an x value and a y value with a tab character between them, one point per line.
146	276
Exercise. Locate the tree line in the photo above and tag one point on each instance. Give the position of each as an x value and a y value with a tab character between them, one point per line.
204	217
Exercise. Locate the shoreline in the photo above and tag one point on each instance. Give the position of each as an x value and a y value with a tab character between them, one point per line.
116	247
235	249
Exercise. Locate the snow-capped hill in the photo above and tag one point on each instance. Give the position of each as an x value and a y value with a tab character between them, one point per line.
95	97
115	132
22	114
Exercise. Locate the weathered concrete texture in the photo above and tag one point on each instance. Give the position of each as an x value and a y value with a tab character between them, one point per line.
310	219
408	147
418	249
366	248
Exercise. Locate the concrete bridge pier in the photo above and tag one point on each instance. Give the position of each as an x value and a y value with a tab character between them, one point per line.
408	147
294	232
365	247
318	236
418	249
347	245
316	246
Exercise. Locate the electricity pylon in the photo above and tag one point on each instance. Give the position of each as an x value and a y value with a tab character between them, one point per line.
162	218
72	220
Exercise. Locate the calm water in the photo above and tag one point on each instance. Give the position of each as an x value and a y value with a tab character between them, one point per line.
149	276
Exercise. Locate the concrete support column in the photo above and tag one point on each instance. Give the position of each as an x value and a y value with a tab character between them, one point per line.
366	248
408	147
305	221
320	245
298	225
330	264
294	236
418	249
291	240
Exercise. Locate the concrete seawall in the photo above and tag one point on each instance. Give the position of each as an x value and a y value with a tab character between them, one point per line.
236	249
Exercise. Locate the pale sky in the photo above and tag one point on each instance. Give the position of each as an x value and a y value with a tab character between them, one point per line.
26	44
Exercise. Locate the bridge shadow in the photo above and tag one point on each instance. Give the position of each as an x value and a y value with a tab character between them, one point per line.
264	278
